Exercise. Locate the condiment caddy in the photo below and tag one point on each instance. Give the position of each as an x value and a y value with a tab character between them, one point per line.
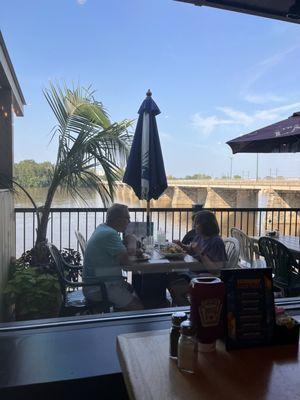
205	324
212	302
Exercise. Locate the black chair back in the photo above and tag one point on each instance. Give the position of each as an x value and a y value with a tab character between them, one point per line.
65	283
59	265
278	257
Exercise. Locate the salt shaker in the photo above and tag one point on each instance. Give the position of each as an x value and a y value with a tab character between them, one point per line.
187	348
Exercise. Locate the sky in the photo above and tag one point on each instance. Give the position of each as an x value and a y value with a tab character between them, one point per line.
214	74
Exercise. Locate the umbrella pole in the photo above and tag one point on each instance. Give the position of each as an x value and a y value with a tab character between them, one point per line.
148	218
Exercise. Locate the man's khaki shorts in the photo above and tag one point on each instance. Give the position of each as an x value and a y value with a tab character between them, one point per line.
119	292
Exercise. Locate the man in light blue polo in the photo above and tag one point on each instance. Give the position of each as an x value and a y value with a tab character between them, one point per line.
104	256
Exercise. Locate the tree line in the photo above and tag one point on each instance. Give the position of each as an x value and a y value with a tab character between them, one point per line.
200	176
30	173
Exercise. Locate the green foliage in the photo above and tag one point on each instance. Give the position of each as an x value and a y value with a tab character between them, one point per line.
237	177
33	174
172	178
26	261
71	256
29	173
87	140
33	293
188	177
197	176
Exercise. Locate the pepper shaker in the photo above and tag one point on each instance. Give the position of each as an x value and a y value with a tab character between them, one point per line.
177	319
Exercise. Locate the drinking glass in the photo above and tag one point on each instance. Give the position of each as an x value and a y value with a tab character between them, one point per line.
161	238
149	244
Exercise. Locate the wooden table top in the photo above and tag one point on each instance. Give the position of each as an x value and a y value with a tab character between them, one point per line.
291	242
158	264
266	373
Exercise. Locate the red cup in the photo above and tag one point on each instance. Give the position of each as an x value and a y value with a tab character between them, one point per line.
207	299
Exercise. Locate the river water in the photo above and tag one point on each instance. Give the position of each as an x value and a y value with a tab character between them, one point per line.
62	226
61	199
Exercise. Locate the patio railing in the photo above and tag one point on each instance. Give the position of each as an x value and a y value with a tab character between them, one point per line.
174	221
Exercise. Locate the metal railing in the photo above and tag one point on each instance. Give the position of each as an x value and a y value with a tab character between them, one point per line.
175	222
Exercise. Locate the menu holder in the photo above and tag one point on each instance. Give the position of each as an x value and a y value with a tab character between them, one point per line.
249	307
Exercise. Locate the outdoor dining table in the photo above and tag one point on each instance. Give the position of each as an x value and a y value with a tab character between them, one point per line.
291	242
149	277
263	373
159	264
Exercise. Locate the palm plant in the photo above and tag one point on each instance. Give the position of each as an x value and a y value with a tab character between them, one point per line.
86	140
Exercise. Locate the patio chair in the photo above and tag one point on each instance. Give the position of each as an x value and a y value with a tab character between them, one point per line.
232	248
286	274
81	240
248	252
74	301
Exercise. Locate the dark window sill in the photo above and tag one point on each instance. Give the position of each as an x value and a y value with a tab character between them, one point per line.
68	349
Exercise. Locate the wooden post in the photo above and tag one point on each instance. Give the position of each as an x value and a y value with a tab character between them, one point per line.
6	138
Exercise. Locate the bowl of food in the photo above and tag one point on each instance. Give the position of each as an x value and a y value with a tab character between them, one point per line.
172	251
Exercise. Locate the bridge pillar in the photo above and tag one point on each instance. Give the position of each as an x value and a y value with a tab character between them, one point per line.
185	196
180	198
216	198
283	198
247	198
277	198
165	200
231	198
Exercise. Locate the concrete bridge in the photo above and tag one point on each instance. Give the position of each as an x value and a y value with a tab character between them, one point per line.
240	183
224	193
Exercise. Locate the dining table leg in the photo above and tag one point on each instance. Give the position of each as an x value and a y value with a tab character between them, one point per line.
151	289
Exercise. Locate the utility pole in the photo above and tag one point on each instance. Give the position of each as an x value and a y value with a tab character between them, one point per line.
257	166
231	167
270	174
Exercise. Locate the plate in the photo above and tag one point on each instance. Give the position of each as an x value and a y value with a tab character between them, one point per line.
173	256
145	257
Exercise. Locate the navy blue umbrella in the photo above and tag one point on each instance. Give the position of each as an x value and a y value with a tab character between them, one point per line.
145	171
281	137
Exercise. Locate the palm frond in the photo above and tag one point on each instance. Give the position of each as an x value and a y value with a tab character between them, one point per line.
86	141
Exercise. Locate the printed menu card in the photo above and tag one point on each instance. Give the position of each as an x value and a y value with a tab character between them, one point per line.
249	307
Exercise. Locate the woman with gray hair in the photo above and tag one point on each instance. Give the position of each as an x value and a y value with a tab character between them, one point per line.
104	257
